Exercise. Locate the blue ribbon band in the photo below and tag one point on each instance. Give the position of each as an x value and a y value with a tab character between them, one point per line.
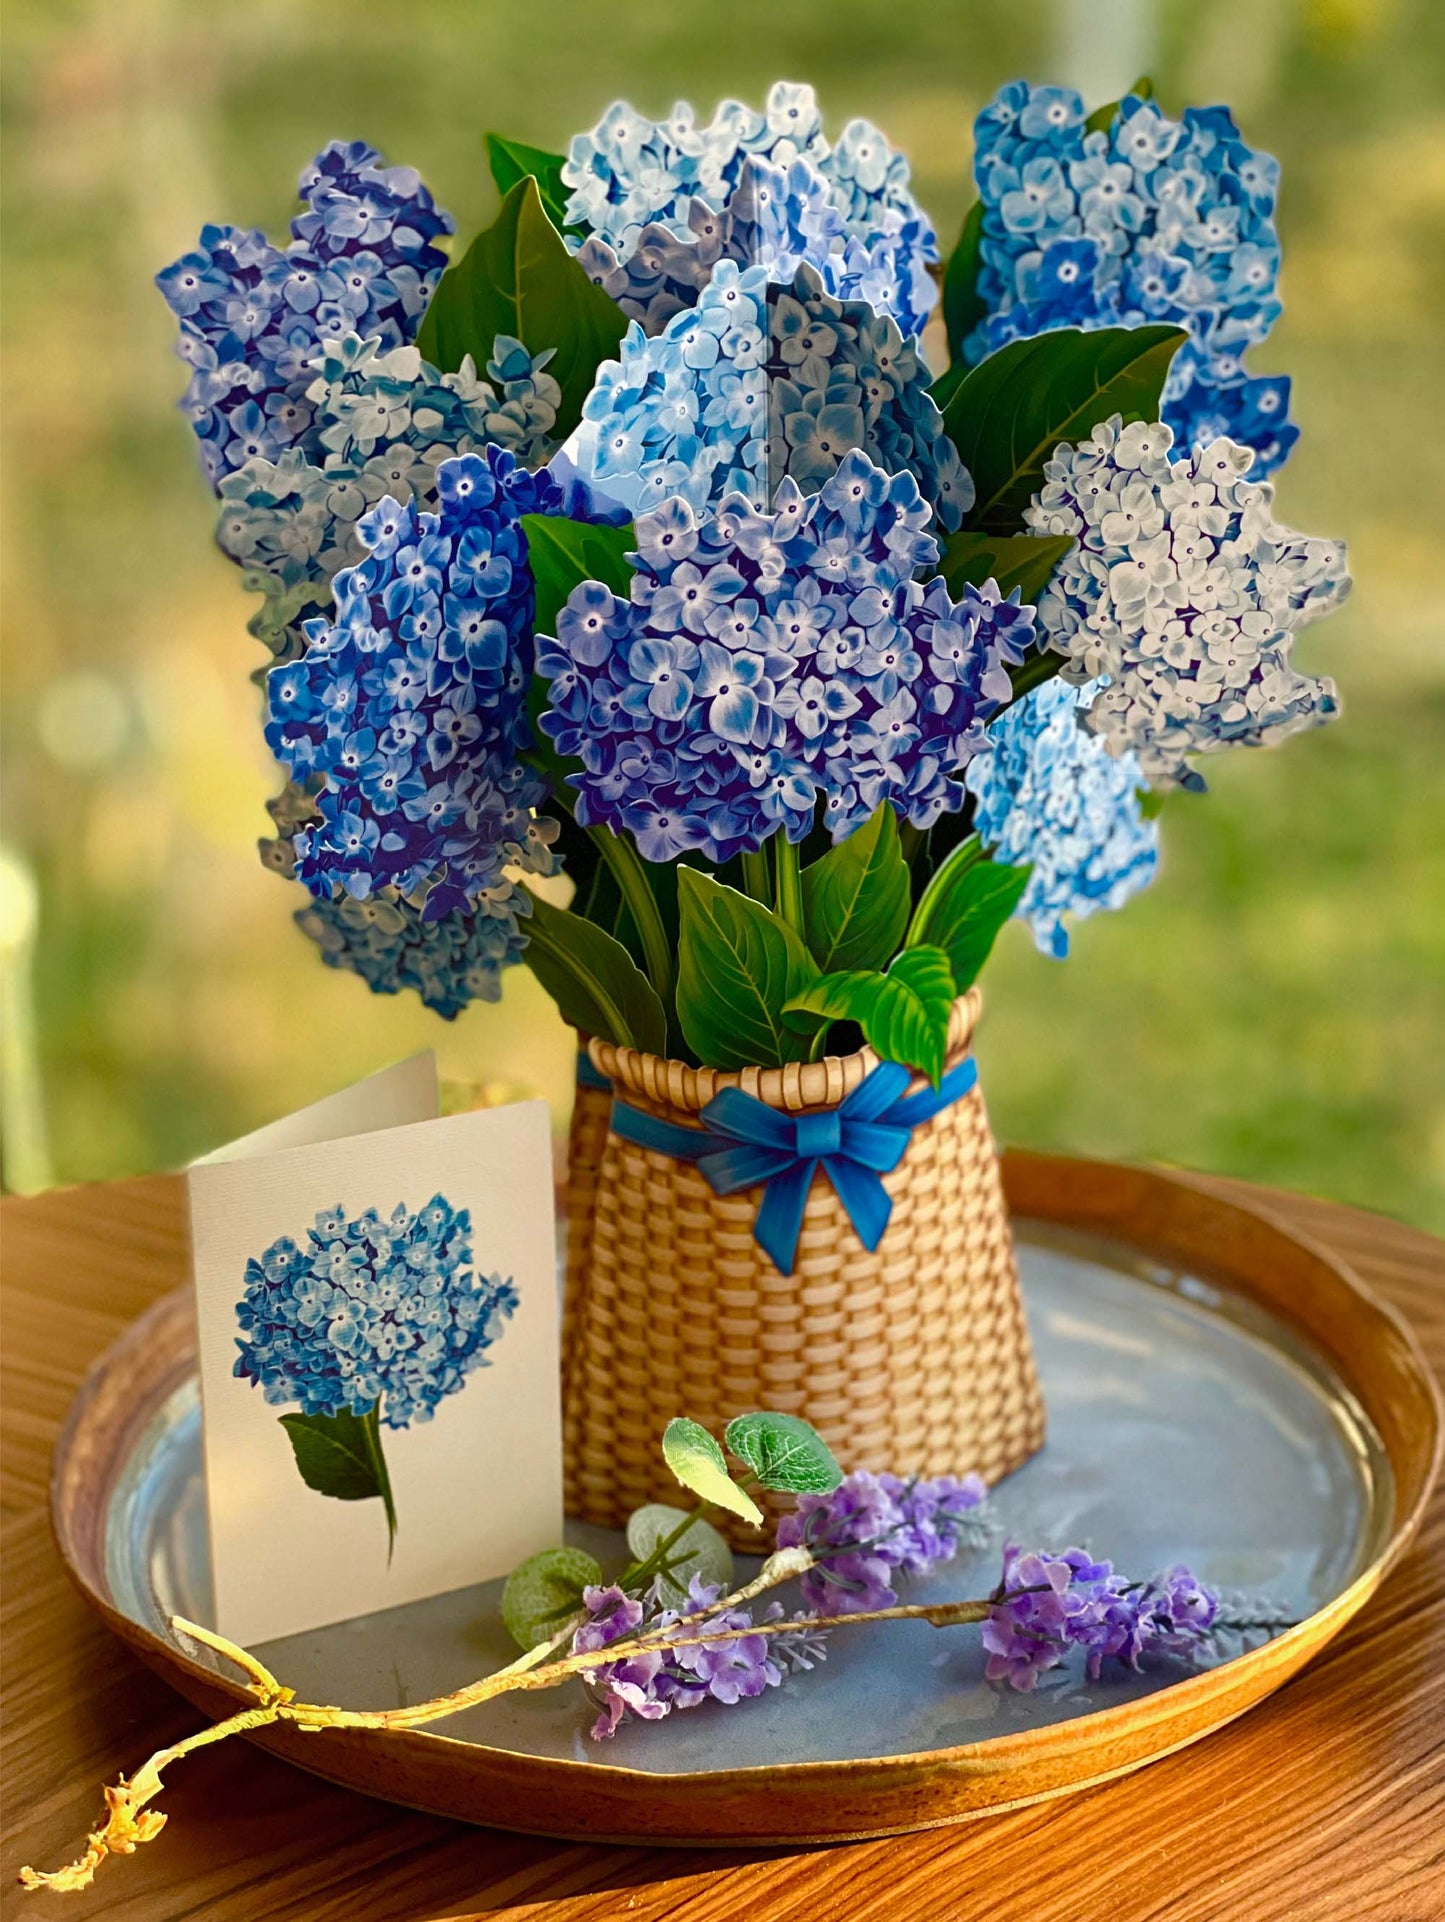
743	1143
588	1075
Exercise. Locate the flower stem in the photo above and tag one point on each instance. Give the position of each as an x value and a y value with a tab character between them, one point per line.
789	879
756	883
631	878
371	1429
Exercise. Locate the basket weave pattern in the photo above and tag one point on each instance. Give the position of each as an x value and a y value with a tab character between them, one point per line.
915	1357
586	1140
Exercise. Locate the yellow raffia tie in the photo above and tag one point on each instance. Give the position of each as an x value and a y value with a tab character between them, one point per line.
129	1821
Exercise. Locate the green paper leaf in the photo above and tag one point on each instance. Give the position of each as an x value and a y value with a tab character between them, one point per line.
1022	561
512	160
518	278
701	1551
542	1592
738	966
595	982
856	897
699	1464
565	553
784	1452
962	307
1102	118
340	1456
1010	413
963	908
903	1013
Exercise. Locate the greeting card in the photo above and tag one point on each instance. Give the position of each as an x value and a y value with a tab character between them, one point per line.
377	1305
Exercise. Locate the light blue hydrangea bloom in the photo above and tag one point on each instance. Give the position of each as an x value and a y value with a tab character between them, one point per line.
1152	220
361	260
759	382
767	661
383	421
450	963
407	713
377	1312
664	201
1184	594
1050	794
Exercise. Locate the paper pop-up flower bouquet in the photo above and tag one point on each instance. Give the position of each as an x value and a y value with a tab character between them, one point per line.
646	541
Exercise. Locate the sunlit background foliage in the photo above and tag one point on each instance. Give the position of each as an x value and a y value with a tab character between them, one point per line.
1272	1007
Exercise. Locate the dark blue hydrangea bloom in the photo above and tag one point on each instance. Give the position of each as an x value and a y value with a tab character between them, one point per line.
449	963
376	1309
758	382
767	661
409	711
1051	794
1152	220
361	260
663	202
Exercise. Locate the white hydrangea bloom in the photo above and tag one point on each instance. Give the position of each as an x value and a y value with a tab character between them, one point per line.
1184	594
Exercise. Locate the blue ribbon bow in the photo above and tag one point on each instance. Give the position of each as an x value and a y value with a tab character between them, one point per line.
743	1143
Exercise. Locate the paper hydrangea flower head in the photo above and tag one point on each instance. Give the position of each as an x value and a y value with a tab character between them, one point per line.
410	708
1147	220
1051	796
663	202
1184	594
756	382
373	1310
361	259
767	661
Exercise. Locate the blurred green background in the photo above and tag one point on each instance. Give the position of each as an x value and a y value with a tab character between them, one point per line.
1271	1008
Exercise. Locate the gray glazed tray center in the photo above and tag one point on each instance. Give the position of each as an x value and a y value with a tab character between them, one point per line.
1185	1424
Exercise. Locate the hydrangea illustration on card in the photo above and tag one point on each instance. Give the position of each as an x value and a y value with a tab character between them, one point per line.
368	1322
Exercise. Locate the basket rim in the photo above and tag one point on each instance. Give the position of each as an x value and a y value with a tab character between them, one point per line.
790	1089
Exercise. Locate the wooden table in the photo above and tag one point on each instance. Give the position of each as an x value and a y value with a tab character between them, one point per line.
1328	1802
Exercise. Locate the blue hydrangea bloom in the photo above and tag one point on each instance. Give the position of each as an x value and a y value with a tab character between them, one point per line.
759	382
1184	594
379	1309
1150	220
409	710
361	259
1050	794
766	662
664	201
382	423
449	963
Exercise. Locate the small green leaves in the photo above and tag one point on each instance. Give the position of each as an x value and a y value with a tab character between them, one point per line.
1102	118
597	985
903	1013
340	1456
699	1550
962	909
699	1464
544	1591
784	1452
1022	561
856	897
962	307
518	278
565	553
512	160
1014	408
738	968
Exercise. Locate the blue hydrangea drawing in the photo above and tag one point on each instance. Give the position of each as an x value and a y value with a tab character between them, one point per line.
663	202
765	661
362	260
1052	796
1148	220
757	382
368	1322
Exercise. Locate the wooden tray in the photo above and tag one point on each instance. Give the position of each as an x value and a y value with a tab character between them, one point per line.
1177	1332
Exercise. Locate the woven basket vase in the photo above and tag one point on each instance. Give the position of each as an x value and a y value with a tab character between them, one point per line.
586	1140
914	1358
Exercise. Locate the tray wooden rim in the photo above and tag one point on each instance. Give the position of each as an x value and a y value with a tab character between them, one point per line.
1159	1213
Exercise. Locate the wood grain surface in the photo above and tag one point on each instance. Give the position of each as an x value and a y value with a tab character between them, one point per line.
1327	1802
